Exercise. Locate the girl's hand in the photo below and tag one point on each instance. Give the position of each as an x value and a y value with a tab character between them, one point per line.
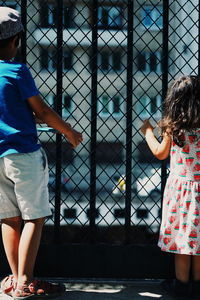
146	127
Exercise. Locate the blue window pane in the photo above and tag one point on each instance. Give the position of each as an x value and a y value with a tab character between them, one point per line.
152	17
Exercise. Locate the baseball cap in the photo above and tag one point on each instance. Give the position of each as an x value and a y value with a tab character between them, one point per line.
10	22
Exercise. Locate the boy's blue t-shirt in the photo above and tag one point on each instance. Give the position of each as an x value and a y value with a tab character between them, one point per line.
18	132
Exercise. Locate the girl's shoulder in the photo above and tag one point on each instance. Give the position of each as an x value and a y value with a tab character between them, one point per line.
192	136
194	132
188	137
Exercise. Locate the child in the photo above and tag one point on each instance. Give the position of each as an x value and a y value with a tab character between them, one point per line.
180	227
23	165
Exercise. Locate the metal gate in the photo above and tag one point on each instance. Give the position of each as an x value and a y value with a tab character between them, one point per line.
104	66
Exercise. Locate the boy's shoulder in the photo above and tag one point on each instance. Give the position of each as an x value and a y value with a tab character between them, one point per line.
13	68
12	64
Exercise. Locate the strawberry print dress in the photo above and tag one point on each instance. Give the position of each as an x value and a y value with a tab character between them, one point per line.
180	226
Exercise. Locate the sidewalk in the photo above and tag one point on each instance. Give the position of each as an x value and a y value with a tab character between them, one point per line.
110	290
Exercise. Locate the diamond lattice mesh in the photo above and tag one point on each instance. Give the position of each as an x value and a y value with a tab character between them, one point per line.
155	64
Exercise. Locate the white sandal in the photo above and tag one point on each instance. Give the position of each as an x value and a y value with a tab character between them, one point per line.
8	285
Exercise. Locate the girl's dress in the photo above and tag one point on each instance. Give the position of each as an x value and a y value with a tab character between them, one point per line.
180	227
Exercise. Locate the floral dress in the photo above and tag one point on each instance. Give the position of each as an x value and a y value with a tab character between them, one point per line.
180	227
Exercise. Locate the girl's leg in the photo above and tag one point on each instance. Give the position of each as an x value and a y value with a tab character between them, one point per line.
11	230
28	248
196	268
182	267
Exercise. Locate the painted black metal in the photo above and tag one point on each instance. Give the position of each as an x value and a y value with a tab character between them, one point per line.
59	88
94	83
129	120
123	258
165	75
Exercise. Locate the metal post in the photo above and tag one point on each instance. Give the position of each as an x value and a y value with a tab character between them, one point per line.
198	9
129	120
93	117
165	67
24	34
59	111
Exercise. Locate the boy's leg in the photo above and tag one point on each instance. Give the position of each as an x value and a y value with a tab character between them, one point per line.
182	267
28	248
196	268
11	230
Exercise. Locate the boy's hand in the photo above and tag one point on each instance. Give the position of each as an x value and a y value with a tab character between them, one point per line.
146	127
74	137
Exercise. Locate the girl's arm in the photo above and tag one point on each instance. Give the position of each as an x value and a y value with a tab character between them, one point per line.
159	150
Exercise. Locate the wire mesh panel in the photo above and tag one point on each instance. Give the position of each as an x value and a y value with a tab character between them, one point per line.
104	66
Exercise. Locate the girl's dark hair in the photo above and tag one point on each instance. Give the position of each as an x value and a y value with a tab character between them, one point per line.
182	108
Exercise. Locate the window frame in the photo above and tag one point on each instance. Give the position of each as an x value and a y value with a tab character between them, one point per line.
110	56
146	109
110	19
49	20
147	56
50	99
48	53
110	113
154	15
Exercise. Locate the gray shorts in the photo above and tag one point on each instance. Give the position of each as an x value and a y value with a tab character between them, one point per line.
24	186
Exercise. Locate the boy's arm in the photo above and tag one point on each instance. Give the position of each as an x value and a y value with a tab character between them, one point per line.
43	112
159	150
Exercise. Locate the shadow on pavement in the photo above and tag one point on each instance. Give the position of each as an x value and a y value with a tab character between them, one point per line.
96	291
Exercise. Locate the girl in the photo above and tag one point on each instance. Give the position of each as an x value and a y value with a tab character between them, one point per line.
180	227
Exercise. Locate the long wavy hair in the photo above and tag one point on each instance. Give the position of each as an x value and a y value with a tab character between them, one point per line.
182	108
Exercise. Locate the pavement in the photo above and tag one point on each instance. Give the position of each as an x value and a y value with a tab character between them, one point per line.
109	290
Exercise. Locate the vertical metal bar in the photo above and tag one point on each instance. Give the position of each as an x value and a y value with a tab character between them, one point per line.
59	86
93	118
198	9
129	120
165	67
24	34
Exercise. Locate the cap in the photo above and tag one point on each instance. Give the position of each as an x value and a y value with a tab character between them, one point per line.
10	22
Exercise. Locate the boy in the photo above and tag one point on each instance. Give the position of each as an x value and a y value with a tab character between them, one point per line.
23	165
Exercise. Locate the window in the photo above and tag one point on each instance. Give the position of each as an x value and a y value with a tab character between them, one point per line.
107	106
11	4
109	152
109	61
67	57
152	17
119	213
89	213
48	59
67	103
142	213
149	106
149	62
110	17
48	15
70	213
